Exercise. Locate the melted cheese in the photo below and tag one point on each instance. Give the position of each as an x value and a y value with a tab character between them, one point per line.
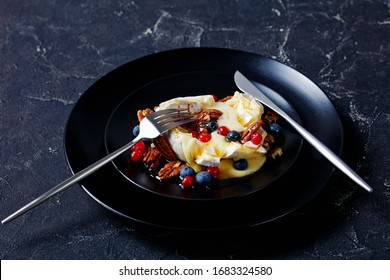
238	112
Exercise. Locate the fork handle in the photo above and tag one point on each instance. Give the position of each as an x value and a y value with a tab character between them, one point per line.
326	152
71	181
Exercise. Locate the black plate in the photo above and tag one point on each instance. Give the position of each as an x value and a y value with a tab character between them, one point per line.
85	142
123	119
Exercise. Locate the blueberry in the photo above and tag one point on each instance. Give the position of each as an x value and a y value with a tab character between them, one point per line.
233	136
203	179
147	141
187	171
212	126
240	164
275	128
136	130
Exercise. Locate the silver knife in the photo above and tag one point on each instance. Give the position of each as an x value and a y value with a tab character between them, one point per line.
249	88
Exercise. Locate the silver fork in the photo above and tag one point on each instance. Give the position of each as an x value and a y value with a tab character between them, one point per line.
246	86
150	127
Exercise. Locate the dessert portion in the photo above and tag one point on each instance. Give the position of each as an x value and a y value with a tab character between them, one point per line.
232	137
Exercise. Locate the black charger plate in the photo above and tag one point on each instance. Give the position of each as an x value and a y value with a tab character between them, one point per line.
85	141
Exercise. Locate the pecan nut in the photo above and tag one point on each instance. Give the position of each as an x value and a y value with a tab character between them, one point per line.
209	114
163	146
152	157
204	117
170	170
247	133
275	152
225	98
269	139
271	117
141	114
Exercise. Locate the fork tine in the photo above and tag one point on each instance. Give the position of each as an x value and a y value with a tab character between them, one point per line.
168	126
171	118
175	118
165	112
171	113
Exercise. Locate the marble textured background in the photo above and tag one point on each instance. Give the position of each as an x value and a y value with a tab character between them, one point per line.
52	51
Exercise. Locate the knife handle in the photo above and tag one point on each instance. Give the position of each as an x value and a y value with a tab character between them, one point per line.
248	87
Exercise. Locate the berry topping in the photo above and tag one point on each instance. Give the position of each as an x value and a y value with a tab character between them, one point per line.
233	136
235	152
240	164
136	130
203	179
275	128
211	126
136	155
213	170
188	181
204	137
223	130
187	171
139	146
256	138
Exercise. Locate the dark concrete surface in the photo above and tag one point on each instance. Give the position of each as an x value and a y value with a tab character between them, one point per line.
52	51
